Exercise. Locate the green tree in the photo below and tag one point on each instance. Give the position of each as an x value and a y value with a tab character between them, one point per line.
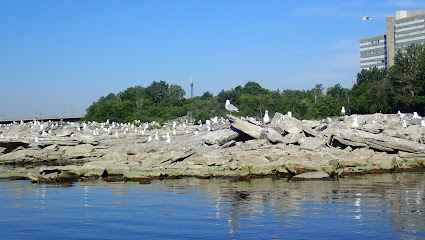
176	92
157	92
407	78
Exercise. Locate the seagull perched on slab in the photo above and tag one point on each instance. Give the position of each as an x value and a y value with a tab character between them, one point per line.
416	119
266	118
343	111
365	18
355	124
168	138
230	107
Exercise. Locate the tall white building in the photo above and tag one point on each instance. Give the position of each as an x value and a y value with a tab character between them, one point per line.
402	30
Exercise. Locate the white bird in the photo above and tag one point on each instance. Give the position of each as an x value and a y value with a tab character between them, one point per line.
416	115
355	124
266	118
343	111
230	107
365	18
289	113
416	120
404	123
149	138
401	115
174	131
168	138
33	144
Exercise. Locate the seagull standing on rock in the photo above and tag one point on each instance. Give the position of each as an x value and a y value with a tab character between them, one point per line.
343	111
416	119
168	138
355	124
266	118
230	107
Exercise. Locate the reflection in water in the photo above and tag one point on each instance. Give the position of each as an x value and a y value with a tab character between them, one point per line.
384	205
363	198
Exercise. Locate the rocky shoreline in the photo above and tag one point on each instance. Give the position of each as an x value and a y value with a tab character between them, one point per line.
240	148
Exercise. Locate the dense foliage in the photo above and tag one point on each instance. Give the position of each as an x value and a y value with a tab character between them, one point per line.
402	87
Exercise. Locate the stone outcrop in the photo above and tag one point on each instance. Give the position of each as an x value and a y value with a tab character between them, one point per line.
239	148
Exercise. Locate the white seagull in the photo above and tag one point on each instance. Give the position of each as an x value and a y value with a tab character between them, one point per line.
416	120
365	18
266	118
230	107
355	124
343	111
168	138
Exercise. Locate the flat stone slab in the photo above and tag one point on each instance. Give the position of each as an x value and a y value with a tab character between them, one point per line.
287	123
311	175
246	127
356	138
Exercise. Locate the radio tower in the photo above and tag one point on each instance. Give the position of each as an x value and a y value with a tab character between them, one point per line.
191	87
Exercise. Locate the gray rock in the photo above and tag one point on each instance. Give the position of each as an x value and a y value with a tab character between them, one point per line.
274	136
357	157
219	137
356	138
287	123
292	138
312	175
310	132
68	176
311	143
79	151
64	132
246	127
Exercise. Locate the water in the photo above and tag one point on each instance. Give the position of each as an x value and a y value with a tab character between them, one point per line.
387	206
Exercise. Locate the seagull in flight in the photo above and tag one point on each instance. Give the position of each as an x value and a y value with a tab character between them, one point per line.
365	18
230	107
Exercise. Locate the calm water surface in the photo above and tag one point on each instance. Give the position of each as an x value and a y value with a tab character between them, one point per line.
387	206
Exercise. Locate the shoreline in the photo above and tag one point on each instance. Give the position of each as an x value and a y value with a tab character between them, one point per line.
236	148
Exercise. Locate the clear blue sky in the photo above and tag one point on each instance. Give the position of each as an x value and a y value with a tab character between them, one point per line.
57	57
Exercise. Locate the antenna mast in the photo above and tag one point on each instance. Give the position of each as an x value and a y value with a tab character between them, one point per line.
191	87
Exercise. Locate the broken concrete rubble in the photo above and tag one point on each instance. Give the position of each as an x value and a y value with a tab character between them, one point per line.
285	147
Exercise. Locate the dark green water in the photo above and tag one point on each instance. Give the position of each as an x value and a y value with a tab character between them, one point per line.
387	206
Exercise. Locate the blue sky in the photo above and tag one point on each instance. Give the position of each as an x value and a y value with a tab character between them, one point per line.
58	57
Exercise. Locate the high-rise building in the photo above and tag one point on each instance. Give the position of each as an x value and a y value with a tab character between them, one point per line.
404	29
373	52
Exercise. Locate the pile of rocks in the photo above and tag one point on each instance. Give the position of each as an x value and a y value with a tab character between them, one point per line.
240	148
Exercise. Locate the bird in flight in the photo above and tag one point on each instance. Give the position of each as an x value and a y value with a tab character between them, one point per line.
365	18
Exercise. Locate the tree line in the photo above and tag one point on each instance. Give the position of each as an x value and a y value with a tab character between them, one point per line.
402	87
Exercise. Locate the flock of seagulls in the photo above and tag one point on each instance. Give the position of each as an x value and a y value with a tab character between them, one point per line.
44	129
